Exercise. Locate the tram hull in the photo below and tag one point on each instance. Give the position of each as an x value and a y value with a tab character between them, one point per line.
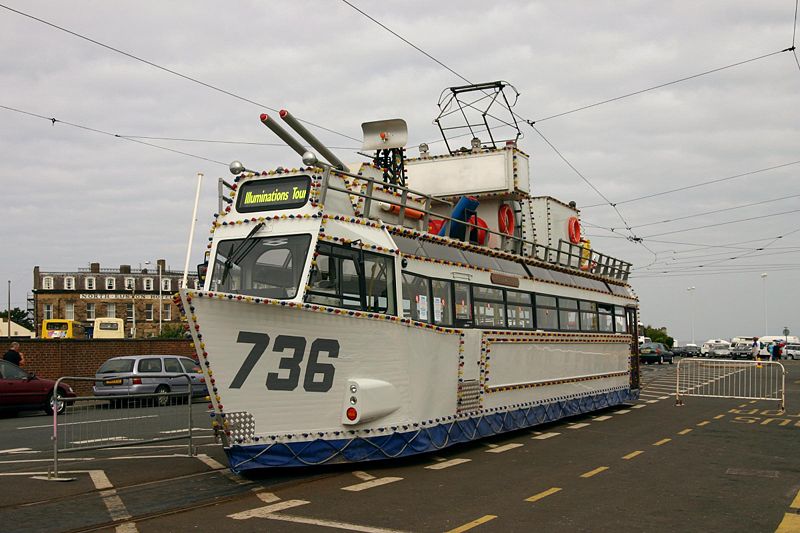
301	385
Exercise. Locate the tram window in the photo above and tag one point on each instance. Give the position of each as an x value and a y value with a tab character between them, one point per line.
442	302
443	252
353	279
266	267
463	304
606	320
568	314
546	312
489	307
409	246
379	283
620	322
519	310
416	297
588	316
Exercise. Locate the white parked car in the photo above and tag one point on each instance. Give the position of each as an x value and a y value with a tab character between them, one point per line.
791	351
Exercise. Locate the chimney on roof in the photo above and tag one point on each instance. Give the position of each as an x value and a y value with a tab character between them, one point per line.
124	269
94	268
163	264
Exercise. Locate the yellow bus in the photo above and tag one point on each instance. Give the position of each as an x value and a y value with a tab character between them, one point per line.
109	328
59	328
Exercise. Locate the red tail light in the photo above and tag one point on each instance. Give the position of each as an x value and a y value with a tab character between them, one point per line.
136	381
352	414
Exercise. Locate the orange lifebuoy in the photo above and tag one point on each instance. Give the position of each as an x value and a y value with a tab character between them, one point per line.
505	219
482	225
435	225
574	227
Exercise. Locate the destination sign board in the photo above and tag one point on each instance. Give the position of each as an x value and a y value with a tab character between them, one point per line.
289	192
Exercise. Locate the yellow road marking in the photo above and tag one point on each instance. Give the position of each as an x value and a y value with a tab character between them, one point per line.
474	523
796	501
685	431
789	524
594	472
662	441
633	454
704	423
543	494
718	417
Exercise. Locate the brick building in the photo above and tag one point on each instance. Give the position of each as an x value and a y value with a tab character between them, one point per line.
141	297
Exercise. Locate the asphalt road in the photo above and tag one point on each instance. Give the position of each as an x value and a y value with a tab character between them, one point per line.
710	465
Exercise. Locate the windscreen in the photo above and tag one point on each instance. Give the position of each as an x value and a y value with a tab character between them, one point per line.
116	365
269	267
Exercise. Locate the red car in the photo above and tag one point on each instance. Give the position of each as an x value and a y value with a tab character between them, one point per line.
21	390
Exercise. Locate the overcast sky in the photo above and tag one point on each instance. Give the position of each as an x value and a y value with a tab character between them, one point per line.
74	196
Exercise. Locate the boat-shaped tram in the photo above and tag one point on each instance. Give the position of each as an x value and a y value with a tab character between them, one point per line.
357	312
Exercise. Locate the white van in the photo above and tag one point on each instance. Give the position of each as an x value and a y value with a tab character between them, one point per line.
109	328
791	351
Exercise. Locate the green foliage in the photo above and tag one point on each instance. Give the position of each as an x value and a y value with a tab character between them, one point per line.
20	317
659	335
172	332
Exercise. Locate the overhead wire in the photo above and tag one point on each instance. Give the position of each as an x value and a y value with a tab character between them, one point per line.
53	121
166	69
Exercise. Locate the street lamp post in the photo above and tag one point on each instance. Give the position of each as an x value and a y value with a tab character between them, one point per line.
691	292
766	323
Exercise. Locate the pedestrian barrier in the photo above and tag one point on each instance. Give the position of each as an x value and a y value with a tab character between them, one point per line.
126	419
725	378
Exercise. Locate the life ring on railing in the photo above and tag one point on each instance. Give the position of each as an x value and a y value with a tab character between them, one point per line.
574	227
505	219
482	227
435	225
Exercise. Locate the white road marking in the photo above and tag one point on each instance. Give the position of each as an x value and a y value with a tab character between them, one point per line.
104	439
330	523
363	476
208	461
116	509
100	480
263	512
164	456
663	397
651	401
371	484
544	436
578	426
601	418
90	422
17	450
622	412
448	464
127	527
71	459
267	497
639	406
505	448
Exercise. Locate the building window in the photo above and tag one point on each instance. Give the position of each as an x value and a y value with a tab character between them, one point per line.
148	312
111	284
129	312
166	284
130	284
148	284
111	310
69	283
47	283
90	315
167	312
69	311
48	311
90	284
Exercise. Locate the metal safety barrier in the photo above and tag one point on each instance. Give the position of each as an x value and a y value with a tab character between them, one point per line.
125	419
725	378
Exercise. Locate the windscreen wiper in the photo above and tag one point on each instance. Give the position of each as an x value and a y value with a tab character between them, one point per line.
240	252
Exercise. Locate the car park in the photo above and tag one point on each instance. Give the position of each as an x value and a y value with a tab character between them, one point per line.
133	375
654	352
23	391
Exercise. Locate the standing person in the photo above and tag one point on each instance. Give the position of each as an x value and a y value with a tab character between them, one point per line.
755	349
770	350
776	351
13	355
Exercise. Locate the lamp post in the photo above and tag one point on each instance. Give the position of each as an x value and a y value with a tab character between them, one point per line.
766	323
691	290
160	287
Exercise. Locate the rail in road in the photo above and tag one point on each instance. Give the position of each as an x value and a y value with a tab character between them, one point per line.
713	464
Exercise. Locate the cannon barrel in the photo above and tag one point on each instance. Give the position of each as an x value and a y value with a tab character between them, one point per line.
313	141
285	136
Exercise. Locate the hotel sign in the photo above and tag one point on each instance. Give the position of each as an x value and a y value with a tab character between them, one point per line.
113	296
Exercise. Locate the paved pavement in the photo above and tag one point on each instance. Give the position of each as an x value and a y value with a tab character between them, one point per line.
710	465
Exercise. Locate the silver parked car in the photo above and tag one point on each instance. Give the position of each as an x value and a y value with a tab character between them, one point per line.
148	374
